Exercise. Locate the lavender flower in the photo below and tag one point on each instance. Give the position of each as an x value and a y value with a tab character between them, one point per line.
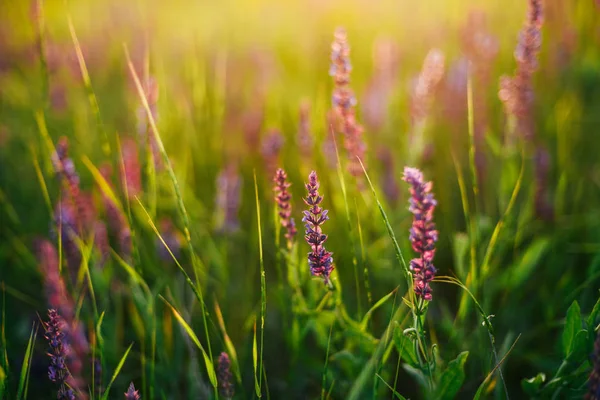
542	204
224	377
516	92
117	221
132	394
131	171
594	381
58	371
319	259
283	197
229	186
344	102
388	178
422	234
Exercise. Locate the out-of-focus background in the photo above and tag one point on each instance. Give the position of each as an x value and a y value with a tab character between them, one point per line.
239	88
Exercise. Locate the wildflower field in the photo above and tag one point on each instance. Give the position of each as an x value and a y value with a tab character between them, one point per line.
300	199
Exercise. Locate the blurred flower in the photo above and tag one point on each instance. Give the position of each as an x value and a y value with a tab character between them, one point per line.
271	147
425	85
131	171
58	371
422	234
305	140
131	393
59	299
101	242
224	377
228	190
594	381
344	102
516	92
319	259
283	197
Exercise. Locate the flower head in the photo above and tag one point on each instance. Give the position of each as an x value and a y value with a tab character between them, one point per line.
224	376
319	259
283	198
344	102
423	235
58	371
516	92
131	393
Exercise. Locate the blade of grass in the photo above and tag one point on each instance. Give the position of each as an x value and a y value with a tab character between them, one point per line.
25	368
379	303
116	373
398	395
255	364
87	83
210	369
228	343
324	378
263	287
479	392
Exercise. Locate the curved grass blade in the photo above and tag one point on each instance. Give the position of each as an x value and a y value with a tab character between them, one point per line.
255	363
116	373
365	320
398	395
228	344
263	288
324	379
210	369
481	388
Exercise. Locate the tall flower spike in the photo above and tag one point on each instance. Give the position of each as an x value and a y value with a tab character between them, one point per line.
225	379
132	394
516	92
58	371
422	234
283	197
344	102
319	259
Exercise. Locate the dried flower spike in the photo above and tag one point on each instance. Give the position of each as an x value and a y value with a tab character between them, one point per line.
319	259
57	371
422	234
225	379
132	394
283	197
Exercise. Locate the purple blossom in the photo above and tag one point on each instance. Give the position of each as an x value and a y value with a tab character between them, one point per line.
422	233
283	198
225	379
319	259
58	371
132	394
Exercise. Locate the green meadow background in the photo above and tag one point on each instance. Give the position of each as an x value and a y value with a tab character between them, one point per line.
232	69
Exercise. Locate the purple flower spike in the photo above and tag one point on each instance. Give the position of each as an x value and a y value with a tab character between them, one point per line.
422	233
319	259
58	371
283	198
131	393
226	388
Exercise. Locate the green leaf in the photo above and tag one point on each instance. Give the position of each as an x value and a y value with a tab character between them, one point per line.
207	362
579	351
591	320
365	320
117	371
532	385
572	326
530	260
405	348
452	378
255	363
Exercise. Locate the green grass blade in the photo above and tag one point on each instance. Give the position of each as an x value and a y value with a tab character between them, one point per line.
398	395
375	306
24	376
263	287
210	369
255	364
483	385
228	344
324	378
116	373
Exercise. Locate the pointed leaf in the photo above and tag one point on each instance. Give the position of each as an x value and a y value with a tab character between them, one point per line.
452	378
572	326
